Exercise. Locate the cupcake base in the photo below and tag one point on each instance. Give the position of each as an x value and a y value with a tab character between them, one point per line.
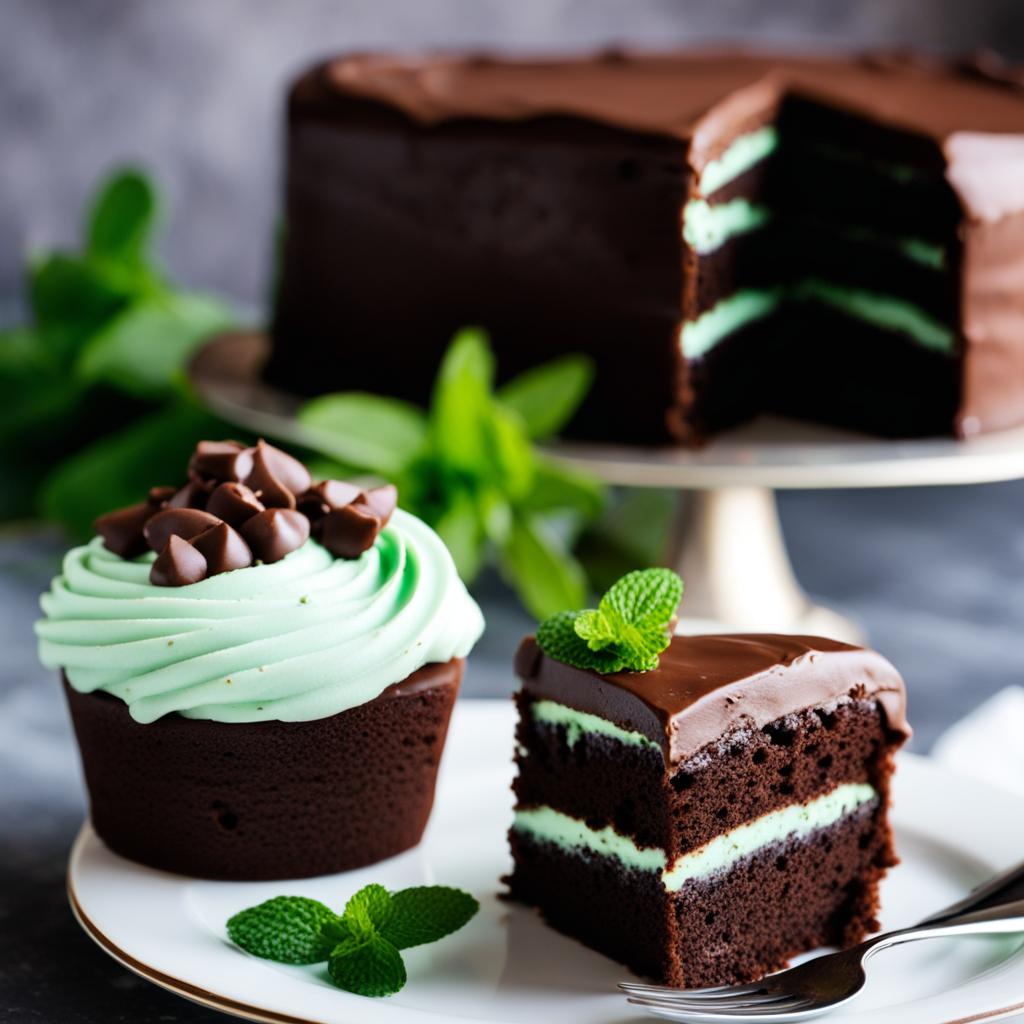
267	800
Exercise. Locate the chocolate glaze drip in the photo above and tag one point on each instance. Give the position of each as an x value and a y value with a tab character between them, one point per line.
707	686
239	506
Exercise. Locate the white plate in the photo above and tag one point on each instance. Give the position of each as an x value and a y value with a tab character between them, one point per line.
506	965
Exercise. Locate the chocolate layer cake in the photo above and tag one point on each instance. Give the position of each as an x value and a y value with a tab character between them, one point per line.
836	239
707	820
260	669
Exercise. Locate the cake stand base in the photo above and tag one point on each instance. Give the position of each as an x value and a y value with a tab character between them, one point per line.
727	545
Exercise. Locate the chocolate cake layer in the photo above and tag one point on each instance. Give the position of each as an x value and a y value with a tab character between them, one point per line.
267	800
737	778
706	686
735	926
544	200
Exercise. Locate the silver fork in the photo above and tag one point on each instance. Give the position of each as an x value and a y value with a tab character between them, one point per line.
829	981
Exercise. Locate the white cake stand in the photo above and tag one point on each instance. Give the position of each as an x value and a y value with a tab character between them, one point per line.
727	542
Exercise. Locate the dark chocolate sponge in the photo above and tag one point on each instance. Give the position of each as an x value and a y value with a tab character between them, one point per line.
267	800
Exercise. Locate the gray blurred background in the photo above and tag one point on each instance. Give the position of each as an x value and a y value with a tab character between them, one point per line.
192	90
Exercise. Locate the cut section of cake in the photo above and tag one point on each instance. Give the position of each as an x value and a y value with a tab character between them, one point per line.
839	239
706	820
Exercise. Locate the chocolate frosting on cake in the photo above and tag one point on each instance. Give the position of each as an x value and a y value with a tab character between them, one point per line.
541	198
708	686
708	98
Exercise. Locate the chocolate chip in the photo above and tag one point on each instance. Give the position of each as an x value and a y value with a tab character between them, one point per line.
319	500
275	532
223	549
382	501
270	488
185	523
287	469
177	565
194	494
234	503
122	530
348	532
220	460
159	496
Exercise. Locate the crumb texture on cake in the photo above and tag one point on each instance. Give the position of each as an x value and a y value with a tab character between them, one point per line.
267	800
766	840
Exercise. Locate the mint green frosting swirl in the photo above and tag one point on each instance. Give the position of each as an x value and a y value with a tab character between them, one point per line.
299	639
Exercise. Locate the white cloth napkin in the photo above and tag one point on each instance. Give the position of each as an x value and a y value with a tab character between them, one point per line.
988	744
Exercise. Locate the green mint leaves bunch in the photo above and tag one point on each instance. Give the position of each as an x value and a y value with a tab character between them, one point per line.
362	945
470	468
627	631
91	397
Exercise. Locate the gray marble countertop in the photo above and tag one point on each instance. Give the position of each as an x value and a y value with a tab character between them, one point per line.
933	575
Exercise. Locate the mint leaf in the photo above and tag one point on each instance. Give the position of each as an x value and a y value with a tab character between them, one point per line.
545	574
595	628
122	218
460	528
628	630
509	457
426	913
546	396
558	639
644	595
369	966
559	487
286	929
369	431
143	348
368	910
71	299
461	402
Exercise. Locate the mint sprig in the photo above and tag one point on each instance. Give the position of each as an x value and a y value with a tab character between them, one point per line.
361	945
627	631
91	387
470	467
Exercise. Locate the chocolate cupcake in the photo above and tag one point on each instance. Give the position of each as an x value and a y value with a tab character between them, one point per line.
260	671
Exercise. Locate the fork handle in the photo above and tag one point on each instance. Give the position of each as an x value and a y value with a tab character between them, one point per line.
1002	918
1007	887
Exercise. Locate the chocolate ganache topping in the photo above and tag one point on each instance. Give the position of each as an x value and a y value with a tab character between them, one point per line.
707	686
242	505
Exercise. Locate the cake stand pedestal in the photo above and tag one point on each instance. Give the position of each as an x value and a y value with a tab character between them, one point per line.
726	542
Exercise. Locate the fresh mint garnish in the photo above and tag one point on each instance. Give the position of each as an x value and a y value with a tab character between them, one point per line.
361	945
287	929
470	468
91	388
627	631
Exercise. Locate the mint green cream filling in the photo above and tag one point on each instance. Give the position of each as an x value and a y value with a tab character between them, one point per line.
728	315
299	639
743	153
707	227
795	821
579	723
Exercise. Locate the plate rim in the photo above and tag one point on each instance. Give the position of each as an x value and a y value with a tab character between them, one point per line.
264	1015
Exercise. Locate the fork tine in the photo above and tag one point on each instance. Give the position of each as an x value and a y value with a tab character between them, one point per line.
723	1001
710	1012
739	1003
700	993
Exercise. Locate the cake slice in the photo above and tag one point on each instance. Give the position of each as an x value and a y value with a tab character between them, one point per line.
706	820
